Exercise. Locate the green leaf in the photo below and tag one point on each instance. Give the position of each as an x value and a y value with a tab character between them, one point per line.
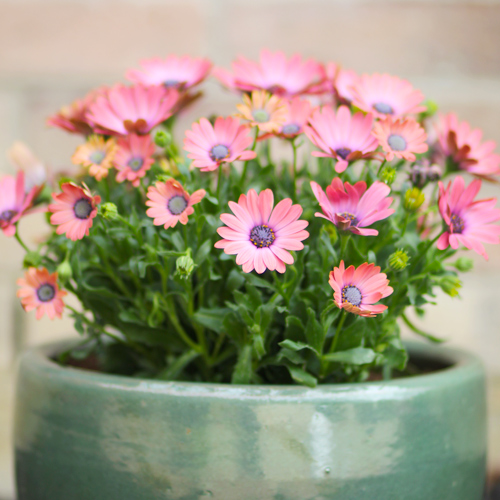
242	373
296	346
203	252
259	282
173	370
315	333
356	356
292	356
302	377
234	281
417	330
212	318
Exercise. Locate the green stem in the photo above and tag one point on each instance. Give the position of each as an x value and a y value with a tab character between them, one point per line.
381	166
219	181
20	241
294	147
344	239
335	340
245	165
170	308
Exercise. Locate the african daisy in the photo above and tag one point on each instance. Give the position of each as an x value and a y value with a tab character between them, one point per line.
357	289
97	155
297	114
261	236
263	110
134	158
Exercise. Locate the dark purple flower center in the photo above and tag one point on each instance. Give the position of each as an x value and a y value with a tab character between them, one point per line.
177	204
290	129
219	152
397	142
383	107
351	217
82	208
46	292
96	157
262	236
171	83
352	295
7	215
136	163
343	152
456	224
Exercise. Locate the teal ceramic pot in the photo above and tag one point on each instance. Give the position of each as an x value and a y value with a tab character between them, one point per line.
87	436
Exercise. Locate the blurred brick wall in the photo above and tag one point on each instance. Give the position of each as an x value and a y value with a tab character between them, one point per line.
54	51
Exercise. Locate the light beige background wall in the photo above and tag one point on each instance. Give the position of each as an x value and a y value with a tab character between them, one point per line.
52	51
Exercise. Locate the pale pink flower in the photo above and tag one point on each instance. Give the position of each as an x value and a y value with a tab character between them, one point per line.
14	201
357	289
353	208
171	203
298	112
338	82
342	136
274	73
400	138
39	290
261	236
385	95
462	144
468	222
73	211
21	157
134	158
137	109
173	71
224	142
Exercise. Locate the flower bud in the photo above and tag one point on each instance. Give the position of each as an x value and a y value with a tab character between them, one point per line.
464	264
108	211
450	285
418	175
32	259
163	138
185	266
388	175
398	260
434	173
414	199
64	271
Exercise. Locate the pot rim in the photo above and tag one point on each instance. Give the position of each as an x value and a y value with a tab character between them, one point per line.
464	365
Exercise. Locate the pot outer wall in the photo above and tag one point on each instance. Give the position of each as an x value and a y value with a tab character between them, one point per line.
88	436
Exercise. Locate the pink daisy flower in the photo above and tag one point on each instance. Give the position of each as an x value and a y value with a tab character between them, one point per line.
173	71
357	289
274	73
352	208
385	95
261	236
337	81
22	158
342	136
14	201
170	203
468	222
298	112
137	109
462	144
39	290
224	142
401	138
73	211
134	158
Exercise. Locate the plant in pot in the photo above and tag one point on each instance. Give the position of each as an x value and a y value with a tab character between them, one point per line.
239	314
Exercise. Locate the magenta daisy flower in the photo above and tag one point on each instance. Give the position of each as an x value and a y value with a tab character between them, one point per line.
224	142
73	211
462	144
134	158
170	203
137	109
14	201
468	222
39	290
342	136
274	73
173	71
352	208
385	95
400	138
357	289
261	236
298	112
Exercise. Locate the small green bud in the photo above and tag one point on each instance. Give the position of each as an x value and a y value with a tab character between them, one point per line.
185	266
64	271
32	259
163	138
432	108
388	175
414	199
450	285
464	264
108	211
398	260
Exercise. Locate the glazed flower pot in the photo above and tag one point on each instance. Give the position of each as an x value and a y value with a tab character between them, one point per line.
82	435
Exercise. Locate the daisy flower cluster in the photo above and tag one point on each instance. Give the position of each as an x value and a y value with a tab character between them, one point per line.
284	242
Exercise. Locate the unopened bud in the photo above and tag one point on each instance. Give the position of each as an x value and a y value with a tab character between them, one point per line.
108	211
388	175
418	175
185	266
398	260
64	271
163	138
464	264
450	285
414	198
435	172
32	259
